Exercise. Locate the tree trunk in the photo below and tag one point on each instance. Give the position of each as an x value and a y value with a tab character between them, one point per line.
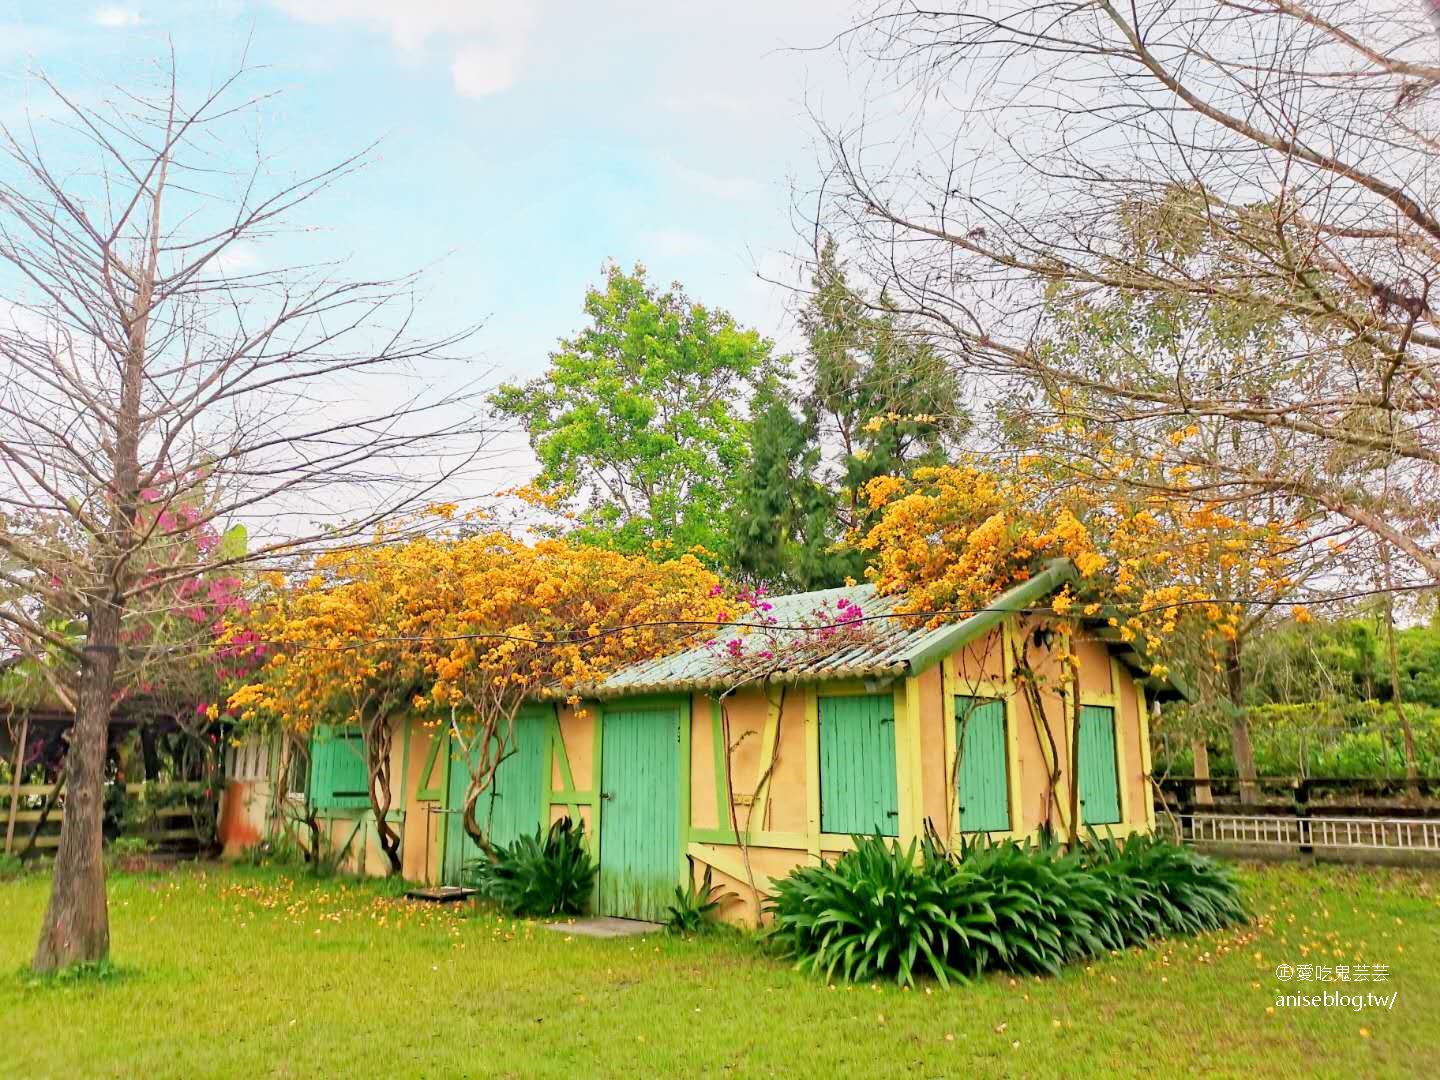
76	929
1412	768
1240	745
148	753
379	739
1200	751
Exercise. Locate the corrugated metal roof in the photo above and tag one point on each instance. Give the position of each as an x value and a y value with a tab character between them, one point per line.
886	648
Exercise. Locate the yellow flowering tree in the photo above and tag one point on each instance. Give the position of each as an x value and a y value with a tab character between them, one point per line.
464	626
1177	574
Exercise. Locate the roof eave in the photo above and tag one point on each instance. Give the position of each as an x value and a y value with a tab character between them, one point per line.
1057	573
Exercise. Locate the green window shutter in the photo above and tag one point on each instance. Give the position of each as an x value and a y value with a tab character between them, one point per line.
1099	779
339	776
858	789
983	779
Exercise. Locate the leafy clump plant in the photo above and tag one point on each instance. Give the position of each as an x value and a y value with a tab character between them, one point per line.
694	906
1049	909
883	910
131	853
1169	889
549	873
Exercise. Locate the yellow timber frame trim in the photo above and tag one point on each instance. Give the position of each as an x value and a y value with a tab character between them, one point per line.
1146	766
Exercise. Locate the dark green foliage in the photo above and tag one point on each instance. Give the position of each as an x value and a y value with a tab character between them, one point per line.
1168	889
867	400
1355	740
694	906
881	910
1049	908
550	873
783	521
1342	661
882	396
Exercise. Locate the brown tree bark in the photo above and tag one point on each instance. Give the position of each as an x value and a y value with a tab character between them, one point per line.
1200	750
1240	744
379	738
76	929
1412	768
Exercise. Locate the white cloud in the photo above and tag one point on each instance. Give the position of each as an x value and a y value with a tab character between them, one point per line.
239	258
710	101
478	70
115	17
726	188
485	39
676	244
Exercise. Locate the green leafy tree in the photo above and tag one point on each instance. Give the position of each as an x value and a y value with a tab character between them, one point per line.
782	522
876	403
882	401
640	415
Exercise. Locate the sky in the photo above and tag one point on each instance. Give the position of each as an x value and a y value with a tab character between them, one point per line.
521	143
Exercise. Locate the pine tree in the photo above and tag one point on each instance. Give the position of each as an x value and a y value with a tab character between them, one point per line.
782	523
881	401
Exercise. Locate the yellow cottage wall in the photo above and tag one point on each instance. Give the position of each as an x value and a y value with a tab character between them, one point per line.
753	764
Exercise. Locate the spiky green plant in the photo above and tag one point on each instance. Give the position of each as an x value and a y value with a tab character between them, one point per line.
1049	908
1032	907
549	873
1171	889
694	906
880	910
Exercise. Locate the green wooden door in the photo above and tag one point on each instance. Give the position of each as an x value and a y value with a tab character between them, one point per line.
639	811
1099	780
858	790
982	778
511	806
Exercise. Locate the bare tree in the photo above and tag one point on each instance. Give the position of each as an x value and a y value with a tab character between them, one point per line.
1270	157
157	383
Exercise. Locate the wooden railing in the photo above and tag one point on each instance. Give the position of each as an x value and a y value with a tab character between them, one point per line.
32	815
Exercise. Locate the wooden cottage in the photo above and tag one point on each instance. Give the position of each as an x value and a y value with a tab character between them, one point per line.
674	768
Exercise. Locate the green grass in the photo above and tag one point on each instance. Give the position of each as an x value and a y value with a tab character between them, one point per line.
244	972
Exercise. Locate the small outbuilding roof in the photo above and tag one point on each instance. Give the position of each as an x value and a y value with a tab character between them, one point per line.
891	647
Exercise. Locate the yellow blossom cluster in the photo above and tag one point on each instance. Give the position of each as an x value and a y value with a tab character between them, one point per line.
952	538
478	620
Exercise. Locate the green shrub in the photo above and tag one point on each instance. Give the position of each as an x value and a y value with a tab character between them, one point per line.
550	873
130	853
694	907
879	910
1049	907
1169	889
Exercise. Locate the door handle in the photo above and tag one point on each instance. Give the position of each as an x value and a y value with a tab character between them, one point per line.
607	795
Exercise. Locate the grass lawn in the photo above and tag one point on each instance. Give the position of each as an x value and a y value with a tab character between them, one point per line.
245	972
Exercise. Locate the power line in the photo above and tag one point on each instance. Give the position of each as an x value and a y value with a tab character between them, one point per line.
580	636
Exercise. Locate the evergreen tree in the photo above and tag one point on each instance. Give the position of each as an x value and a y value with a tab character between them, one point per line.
782	521
881	400
876	402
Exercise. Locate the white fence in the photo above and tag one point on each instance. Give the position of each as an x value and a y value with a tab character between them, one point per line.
1280	831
